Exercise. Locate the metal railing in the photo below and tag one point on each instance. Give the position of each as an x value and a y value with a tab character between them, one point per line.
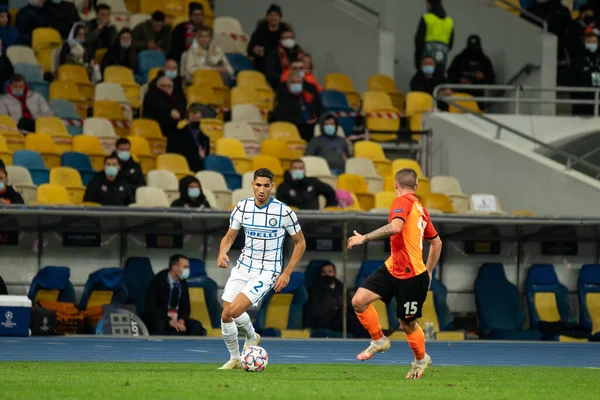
523	11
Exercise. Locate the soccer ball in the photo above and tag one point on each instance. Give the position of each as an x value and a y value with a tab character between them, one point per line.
254	359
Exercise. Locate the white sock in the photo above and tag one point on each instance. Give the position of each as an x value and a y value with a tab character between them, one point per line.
380	342
230	336
245	326
423	361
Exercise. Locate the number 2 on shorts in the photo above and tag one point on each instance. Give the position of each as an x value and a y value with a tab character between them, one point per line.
257	287
410	307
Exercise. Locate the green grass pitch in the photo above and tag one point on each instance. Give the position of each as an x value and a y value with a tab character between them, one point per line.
66	380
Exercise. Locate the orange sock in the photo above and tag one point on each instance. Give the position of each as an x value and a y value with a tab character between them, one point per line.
416	341
370	320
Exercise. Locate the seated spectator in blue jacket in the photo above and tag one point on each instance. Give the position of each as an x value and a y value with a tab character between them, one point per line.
8	34
61	15
8	195
6	68
29	18
107	187
333	148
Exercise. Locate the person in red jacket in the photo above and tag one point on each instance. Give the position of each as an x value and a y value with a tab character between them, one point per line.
304	68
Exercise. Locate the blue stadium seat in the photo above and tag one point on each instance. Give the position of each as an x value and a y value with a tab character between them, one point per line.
366	269
313	271
79	161
105	286
34	163
334	101
204	299
225	166
52	284
440	294
280	314
147	60
239	62
34	77
66	110
589	297
197	268
137	275
547	298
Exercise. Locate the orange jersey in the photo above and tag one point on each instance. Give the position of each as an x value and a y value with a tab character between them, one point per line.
406	259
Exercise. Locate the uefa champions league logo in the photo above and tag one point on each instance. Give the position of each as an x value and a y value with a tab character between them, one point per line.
8	315
8	324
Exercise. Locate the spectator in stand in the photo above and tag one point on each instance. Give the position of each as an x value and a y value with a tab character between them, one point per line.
8	34
190	141
333	148
584	72
6	68
302	192
206	54
427	78
167	309
308	71
29	18
300	67
8	195
108	187
129	170
162	104
74	49
266	36
121	53
61	15
472	67
184	33
22	104
190	194
296	103
278	60
577	29
101	34
153	34
171	71
435	35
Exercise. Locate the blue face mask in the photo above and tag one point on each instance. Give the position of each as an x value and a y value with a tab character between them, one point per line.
591	47
171	74
329	130
111	171
17	93
194	193
297	174
296	88
185	274
428	69
124	155
2	186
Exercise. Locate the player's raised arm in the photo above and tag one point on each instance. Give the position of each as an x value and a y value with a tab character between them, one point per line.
384	232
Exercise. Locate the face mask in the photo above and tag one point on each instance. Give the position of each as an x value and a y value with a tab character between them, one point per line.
195	125
194	193
296	88
2	186
329	130
288	43
125	44
428	69
123	155
297	174
171	74
111	171
17	93
185	274
591	47
328	280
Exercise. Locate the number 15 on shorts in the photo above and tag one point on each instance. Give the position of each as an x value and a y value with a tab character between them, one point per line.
410	308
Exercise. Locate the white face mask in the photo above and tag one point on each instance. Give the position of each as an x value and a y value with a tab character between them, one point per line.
288	43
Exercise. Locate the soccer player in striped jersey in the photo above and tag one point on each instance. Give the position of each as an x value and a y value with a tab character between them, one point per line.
260	265
403	276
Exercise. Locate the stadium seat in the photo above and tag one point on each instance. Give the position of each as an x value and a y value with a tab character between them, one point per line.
110	91
202	94
364	167
224	166
21	181
67	111
317	167
52	284
417	103
55	127
470	104
384	200
79	75
34	163
239	62
424	183
280	314
140	150
215	182
48	194
81	163
279	149
239	195
214	129
374	152
234	149
152	75
243	132
124	77
212	78
105	286
21	54
43	144
245	95
357	185
150	130
256	80
385	125
150	197
137	18
103	129
247	180
250	114
69	91
271	163
485	204
383	83
342	83
204	301
34	77
148	59
450	186
335	101
588	291
114	112
43	41
9	131
436	311
70	179
437	201
289	133
165	180
137	275
90	146
175	163
547	298
6	154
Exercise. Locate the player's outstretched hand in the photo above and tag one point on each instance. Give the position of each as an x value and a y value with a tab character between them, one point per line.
223	261
355	240
282	282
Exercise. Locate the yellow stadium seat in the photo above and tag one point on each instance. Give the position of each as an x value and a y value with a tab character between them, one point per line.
384	199
234	149
546	306
199	310
78	74
374	152
140	150
49	194
468	104
213	128
438	201
9	131
153	73
256	80
150	130
289	133
99	298
55	127
100	55
43	144
124	77
356	184
417	103
43	41
113	111
380	102
429	314
92	147
204	94
213	79
278	315
343	83
70	91
592	301
175	163
279	149
424	184
269	162
523	213
70	179
383	83
133	6
244	95
6	154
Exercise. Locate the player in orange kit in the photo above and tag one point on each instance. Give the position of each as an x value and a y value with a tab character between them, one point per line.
404	275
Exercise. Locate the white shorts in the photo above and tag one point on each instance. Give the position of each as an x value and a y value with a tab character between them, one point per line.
253	285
